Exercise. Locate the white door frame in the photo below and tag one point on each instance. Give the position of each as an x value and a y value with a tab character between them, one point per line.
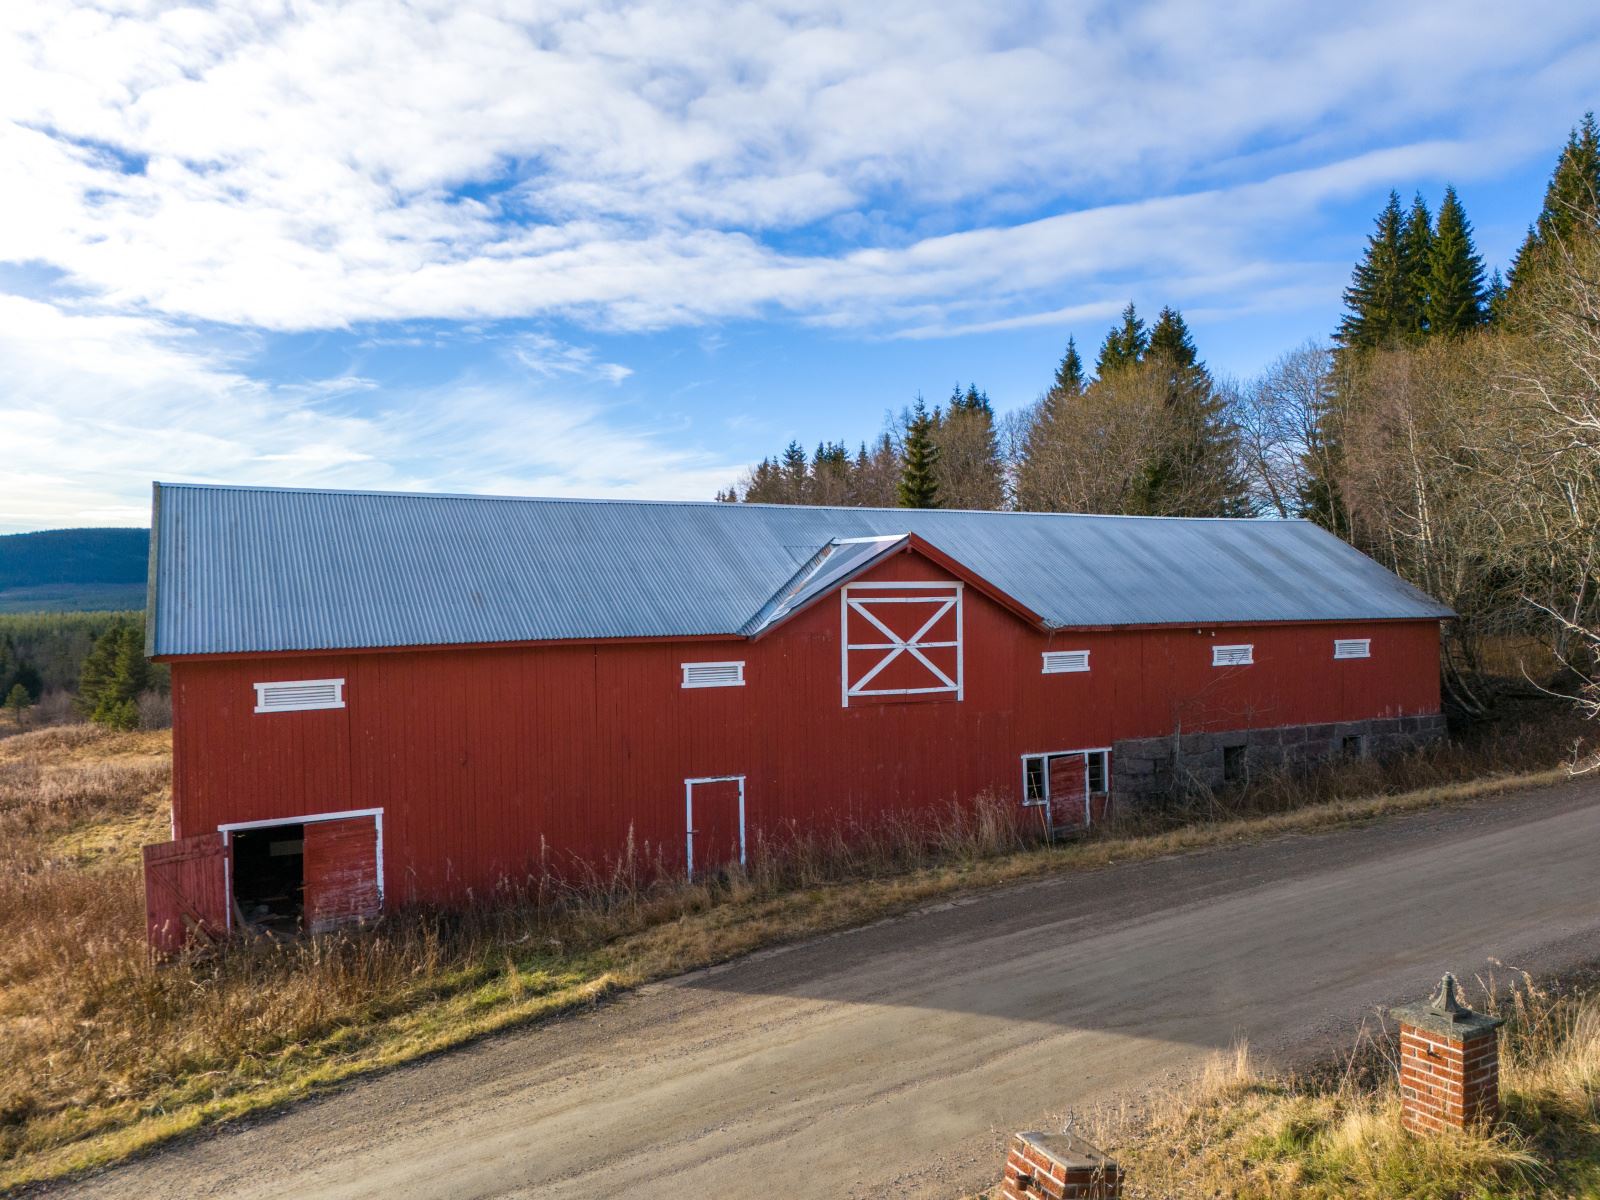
1047	755
231	827
688	814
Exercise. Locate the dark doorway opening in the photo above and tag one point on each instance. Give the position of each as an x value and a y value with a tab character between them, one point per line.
269	880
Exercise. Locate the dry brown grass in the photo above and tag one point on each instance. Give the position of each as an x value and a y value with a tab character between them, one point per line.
1336	1133
102	1055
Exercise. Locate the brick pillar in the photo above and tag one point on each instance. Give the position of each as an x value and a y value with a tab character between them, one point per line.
1449	1064
1058	1166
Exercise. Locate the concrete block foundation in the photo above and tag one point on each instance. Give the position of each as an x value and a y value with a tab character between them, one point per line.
1152	771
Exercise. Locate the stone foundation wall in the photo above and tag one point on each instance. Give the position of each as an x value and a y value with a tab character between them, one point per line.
1147	771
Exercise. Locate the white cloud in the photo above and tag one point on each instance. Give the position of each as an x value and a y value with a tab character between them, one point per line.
95	406
547	357
309	166
187	179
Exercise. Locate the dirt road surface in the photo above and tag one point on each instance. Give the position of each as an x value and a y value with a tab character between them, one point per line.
891	1060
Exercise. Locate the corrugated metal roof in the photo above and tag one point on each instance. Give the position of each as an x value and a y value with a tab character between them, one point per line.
262	569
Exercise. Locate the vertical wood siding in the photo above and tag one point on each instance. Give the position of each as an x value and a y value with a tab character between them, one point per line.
492	765
185	891
341	872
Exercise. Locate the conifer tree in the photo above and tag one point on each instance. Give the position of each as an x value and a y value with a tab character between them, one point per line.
793	468
875	479
1573	197
1380	298
98	670
1125	344
1068	384
1455	289
1494	301
1196	471
18	701
1416	254
118	705
1571	201
919	488
968	470
1069	373
1321	498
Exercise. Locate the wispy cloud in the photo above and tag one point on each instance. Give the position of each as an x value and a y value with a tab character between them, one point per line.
96	405
545	356
177	184
309	167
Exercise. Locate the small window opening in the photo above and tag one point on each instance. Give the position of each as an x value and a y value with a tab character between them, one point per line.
1097	772
1037	791
269	876
1232	764
1352	746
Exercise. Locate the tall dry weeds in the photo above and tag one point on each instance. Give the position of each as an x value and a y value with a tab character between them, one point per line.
93	1040
1336	1133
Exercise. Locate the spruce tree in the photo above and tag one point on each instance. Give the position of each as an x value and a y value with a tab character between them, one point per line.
1379	299
1321	498
1416	255
919	488
793	469
118	705
1069	373
1573	197
1196	472
968	470
1494	301
1455	291
1125	344
98	670
1170	338
18	701
1571	201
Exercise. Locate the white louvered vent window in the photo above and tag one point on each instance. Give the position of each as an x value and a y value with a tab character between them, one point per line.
1059	662
1232	656
298	695
713	674
1352	647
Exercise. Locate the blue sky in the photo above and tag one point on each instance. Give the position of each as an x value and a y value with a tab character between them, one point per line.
627	249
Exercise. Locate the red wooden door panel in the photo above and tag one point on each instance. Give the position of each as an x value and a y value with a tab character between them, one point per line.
1068	780
341	872
716	824
185	892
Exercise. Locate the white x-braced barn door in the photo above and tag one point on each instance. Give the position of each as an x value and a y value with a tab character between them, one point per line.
901	640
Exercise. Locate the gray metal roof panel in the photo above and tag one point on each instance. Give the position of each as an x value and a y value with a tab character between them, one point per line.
238	570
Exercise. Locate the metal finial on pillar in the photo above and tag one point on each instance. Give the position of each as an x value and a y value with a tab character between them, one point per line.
1445	1001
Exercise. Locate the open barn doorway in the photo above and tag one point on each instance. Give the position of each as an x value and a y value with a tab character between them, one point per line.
269	877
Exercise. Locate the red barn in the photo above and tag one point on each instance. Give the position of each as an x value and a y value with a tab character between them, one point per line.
384	698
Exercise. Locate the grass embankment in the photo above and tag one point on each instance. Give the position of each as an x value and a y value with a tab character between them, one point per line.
102	1055
1336	1134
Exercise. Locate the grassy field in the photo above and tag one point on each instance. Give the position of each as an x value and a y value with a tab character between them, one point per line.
1335	1134
102	1055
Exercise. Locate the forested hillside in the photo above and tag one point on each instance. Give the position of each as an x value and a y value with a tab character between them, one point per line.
1450	427
73	570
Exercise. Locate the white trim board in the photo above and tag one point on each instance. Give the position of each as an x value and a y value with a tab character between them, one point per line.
688	815
952	598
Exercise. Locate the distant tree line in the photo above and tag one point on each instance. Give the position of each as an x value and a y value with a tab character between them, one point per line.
1451	428
92	665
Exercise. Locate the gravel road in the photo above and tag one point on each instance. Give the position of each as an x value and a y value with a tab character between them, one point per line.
892	1060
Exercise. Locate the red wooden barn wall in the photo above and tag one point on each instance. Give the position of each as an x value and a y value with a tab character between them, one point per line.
487	761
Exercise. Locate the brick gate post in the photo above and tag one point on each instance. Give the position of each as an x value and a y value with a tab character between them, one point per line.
1449	1063
1058	1166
